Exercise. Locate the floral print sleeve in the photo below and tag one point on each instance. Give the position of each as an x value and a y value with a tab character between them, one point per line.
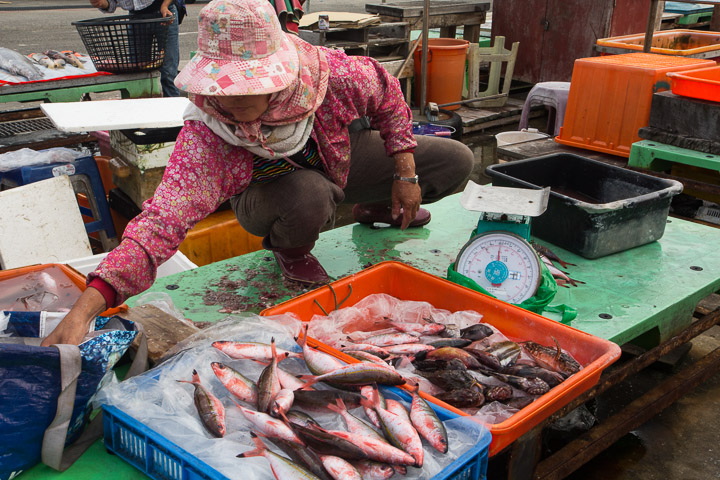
363	83
203	171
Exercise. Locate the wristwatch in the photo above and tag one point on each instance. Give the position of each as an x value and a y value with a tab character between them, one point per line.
406	179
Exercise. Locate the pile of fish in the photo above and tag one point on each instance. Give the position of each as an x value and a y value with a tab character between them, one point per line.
388	445
18	64
468	366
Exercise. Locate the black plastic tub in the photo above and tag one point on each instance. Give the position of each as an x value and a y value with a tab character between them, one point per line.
595	209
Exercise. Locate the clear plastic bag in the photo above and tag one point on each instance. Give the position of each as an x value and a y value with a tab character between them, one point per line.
26	157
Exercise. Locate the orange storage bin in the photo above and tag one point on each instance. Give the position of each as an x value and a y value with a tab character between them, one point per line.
218	237
407	283
669	42
702	83
16	285
610	97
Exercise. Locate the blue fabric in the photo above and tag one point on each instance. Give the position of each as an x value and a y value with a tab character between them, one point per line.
30	385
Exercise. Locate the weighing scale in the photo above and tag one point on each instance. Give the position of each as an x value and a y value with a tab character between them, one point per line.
498	256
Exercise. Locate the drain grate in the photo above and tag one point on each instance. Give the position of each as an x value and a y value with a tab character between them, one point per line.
18	127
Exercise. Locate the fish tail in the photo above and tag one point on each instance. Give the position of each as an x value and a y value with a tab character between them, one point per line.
303	341
273	349
259	451
309	381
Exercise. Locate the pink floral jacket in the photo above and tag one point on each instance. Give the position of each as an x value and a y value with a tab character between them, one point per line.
204	171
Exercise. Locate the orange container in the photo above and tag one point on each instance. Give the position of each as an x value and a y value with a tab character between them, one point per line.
702	83
445	71
407	283
668	42
610	97
218	237
66	278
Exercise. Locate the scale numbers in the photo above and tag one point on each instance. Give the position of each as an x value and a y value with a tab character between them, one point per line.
502	263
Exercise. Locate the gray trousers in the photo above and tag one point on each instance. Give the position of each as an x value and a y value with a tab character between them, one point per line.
292	209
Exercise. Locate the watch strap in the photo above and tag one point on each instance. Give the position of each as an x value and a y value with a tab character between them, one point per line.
406	179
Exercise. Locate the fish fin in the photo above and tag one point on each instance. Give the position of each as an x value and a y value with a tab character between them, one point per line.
273	349
195	377
559	349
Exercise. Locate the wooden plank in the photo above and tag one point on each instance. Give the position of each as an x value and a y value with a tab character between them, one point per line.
440	21
163	331
590	444
415	9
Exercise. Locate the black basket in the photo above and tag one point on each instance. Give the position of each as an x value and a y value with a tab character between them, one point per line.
125	44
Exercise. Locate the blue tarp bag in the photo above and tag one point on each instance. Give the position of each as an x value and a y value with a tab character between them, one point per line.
45	392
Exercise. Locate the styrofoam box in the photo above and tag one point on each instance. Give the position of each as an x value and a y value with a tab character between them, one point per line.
176	264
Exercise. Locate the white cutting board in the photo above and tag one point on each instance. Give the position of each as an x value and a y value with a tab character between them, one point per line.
41	223
116	114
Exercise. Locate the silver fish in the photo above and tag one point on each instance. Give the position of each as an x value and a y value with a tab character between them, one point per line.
18	64
268	385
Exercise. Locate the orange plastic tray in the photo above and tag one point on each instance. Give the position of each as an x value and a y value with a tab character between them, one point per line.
669	42
408	283
76	277
610	98
702	83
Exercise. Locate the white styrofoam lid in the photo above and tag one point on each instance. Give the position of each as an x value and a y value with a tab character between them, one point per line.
116	114
514	201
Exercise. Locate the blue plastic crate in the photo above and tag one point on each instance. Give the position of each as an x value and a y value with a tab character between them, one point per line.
161	459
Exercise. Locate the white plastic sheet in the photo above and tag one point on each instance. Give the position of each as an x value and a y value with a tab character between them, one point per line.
157	400
26	157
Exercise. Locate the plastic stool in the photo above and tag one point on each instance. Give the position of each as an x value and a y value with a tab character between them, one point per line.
85	178
551	94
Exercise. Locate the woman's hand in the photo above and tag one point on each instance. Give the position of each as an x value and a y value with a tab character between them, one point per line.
76	323
406	196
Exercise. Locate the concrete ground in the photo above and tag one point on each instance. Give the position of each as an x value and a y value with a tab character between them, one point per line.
682	442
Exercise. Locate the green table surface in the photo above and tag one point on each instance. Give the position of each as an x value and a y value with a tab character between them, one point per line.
649	292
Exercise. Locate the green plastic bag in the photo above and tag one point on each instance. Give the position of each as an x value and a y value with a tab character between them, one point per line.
538	303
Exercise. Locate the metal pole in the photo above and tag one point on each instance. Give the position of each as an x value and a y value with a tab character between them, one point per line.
424	56
650	30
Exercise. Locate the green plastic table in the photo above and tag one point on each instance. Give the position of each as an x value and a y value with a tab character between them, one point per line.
130	85
644	295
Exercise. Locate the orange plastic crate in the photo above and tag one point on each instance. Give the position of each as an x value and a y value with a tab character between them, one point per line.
77	278
218	237
702	83
669	42
610	97
407	283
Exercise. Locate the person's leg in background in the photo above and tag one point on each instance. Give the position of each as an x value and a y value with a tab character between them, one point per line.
169	69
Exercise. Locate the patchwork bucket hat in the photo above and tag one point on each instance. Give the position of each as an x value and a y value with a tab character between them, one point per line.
242	50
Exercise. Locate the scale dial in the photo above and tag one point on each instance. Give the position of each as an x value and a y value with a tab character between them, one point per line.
502	263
